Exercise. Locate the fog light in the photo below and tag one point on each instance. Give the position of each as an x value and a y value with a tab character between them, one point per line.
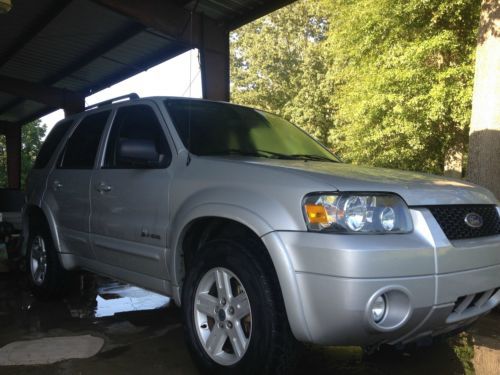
378	309
388	309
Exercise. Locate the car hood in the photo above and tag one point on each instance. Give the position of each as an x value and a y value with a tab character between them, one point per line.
417	189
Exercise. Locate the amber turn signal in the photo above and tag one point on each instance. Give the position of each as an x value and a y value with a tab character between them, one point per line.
316	214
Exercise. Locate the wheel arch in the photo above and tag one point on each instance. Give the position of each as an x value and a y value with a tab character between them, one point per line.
200	225
199	222
32	215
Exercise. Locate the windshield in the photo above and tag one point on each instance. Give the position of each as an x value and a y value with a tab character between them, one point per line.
225	129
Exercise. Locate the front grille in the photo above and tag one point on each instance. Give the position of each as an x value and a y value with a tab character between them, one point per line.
473	300
452	220
474	304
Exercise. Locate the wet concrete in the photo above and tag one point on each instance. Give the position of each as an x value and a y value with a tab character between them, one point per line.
142	334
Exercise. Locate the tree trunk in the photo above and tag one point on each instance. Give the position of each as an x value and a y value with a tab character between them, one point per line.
486	355
484	141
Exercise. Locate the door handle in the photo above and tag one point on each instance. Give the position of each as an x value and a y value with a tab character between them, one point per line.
56	185
103	188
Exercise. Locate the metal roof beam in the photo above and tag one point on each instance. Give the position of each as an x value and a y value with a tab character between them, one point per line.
100	50
158	58
106	46
51	96
161	56
166	17
33	30
5	126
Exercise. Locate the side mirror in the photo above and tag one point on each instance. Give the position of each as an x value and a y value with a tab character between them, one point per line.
138	152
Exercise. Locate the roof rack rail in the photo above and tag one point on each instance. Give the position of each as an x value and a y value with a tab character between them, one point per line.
130	96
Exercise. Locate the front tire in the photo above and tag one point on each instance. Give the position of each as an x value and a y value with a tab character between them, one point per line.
47	277
234	316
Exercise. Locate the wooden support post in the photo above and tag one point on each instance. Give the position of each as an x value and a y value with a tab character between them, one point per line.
214	53
13	140
193	30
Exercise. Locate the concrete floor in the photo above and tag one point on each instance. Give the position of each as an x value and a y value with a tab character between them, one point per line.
142	334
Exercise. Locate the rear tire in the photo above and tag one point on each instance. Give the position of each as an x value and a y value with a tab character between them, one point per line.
246	321
47	277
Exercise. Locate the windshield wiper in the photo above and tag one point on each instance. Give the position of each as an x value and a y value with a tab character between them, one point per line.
254	153
270	155
313	157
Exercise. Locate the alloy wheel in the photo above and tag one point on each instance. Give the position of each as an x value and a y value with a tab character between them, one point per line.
38	260
223	316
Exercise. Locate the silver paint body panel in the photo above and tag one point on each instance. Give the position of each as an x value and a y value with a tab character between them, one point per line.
326	279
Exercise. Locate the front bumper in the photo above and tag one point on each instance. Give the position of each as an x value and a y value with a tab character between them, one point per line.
431	284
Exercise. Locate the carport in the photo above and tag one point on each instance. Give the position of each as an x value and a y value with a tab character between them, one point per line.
54	53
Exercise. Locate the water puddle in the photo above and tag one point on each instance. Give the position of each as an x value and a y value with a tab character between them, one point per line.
113	298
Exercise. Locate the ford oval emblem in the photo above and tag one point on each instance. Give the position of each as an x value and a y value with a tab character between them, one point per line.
473	220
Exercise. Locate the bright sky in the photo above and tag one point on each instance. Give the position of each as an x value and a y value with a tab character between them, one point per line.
171	78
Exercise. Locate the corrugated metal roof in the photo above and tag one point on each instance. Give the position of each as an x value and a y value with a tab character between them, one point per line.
71	35
83	47
25	14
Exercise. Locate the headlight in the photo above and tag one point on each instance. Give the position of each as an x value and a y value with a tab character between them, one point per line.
357	213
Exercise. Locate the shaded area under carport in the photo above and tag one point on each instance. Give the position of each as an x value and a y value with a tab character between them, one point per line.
142	333
54	53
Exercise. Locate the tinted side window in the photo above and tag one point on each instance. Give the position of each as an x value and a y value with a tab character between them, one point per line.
81	148
51	143
138	122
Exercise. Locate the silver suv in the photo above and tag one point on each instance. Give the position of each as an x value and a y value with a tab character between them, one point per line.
263	236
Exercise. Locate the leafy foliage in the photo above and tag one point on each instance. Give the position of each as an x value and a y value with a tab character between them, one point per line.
405	72
463	346
32	138
278	64
382	82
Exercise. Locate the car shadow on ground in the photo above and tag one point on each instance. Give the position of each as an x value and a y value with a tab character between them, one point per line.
440	358
141	328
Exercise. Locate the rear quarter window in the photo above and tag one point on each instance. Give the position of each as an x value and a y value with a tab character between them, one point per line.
82	146
51	143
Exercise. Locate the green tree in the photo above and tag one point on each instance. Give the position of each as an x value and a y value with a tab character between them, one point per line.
382	82
278	64
32	137
404	73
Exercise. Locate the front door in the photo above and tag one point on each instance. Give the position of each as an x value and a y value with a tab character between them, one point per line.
130	202
68	190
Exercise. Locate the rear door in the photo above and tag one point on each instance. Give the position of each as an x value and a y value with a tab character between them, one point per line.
68	190
129	202
37	178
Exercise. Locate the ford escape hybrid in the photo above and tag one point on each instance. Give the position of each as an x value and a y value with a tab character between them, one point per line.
263	236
